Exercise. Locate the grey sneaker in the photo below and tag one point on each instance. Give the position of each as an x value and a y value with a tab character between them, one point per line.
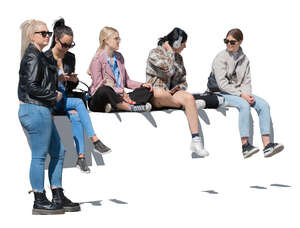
272	148
141	108
108	107
249	150
82	165
99	147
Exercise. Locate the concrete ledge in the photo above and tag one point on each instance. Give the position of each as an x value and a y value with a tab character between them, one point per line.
109	126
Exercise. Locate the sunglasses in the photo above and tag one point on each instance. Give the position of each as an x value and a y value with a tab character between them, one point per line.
44	33
232	42
65	45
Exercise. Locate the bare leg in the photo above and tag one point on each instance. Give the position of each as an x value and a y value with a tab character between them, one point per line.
244	140
265	139
163	98
124	106
188	102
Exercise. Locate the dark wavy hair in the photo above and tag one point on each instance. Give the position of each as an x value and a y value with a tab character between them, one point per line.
60	29
173	36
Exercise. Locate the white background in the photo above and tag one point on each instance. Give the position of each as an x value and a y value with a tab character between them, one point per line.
150	169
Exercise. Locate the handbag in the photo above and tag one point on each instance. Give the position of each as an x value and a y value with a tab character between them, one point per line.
141	95
80	93
212	84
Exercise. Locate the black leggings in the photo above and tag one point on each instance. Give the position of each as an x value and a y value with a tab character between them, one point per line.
106	94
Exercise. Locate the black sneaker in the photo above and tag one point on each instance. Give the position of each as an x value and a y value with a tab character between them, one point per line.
249	150
101	148
82	165
272	148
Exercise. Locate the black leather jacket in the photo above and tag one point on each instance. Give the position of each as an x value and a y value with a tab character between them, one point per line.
37	79
69	67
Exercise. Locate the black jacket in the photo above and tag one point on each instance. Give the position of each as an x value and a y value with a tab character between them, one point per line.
37	79
69	67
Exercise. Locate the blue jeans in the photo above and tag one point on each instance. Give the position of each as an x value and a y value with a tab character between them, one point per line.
262	108
77	132
43	139
80	120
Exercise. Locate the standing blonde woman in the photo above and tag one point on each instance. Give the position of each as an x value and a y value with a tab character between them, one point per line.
110	78
37	96
166	72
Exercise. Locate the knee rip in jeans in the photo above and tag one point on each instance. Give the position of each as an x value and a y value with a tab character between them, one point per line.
74	116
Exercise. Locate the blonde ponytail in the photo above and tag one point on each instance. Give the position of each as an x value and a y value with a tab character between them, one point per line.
28	27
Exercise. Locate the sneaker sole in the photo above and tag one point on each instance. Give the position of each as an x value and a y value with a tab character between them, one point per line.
72	209
106	152
200	155
47	212
254	151
275	151
87	172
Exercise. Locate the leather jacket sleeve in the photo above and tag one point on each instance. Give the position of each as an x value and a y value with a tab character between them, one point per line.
34	72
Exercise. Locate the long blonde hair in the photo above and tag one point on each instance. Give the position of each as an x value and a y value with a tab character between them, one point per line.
105	33
28	28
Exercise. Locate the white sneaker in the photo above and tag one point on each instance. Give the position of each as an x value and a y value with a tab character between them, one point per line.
141	108
196	147
200	104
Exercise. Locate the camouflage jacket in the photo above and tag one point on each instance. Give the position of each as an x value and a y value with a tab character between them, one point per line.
165	69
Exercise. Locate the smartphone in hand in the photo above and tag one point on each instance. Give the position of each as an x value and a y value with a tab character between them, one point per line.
73	75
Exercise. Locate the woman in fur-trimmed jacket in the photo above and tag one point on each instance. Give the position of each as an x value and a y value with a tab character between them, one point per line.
166	73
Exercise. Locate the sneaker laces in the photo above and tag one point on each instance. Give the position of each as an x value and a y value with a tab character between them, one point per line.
270	145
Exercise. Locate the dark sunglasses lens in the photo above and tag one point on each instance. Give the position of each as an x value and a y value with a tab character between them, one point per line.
44	34
232	42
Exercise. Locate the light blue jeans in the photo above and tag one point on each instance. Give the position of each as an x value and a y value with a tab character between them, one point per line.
43	139
80	120
262	108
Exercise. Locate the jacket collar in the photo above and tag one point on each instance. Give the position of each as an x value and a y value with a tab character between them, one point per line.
107	68
241	54
32	48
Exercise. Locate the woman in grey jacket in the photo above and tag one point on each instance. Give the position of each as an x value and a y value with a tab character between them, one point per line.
232	73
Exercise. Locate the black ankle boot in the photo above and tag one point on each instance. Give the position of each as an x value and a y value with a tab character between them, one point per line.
42	206
61	199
